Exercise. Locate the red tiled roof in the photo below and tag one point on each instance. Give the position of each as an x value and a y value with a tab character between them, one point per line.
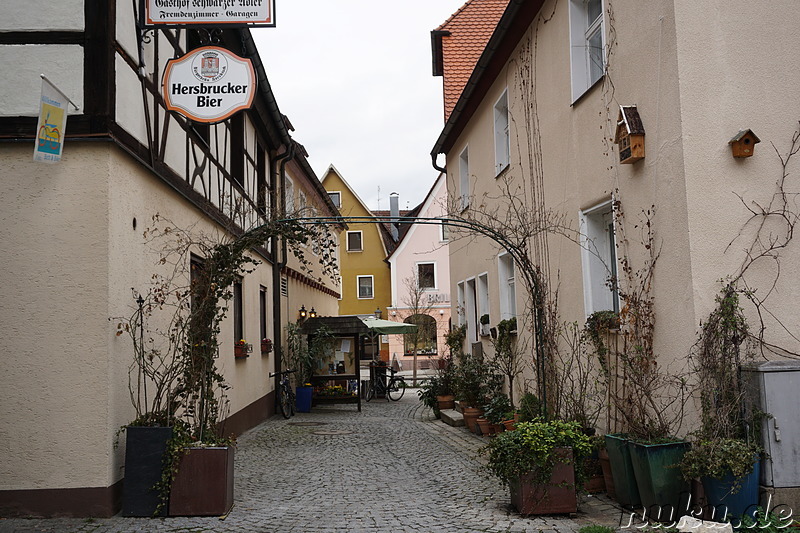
469	30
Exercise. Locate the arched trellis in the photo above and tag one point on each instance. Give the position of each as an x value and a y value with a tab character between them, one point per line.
518	251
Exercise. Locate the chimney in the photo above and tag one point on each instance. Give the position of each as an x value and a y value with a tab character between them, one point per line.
394	212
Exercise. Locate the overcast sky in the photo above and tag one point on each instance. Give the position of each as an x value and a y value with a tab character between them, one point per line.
354	77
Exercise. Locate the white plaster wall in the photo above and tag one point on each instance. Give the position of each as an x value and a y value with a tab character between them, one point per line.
54	385
20	91
737	70
129	106
580	166
30	15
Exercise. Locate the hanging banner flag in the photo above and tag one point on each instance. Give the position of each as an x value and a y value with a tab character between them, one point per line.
52	124
209	84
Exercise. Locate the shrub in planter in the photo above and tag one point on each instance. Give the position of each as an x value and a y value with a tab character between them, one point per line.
728	469
540	456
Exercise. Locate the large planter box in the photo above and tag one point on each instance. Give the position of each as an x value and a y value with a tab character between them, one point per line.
727	507
558	496
302	399
666	496
144	453
626	491
203	485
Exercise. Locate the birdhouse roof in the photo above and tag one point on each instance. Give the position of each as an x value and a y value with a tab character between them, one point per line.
739	136
628	122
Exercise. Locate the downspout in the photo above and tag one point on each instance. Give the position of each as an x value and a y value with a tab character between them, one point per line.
443	170
277	266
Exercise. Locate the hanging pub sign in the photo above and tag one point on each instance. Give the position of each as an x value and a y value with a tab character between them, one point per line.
255	13
209	84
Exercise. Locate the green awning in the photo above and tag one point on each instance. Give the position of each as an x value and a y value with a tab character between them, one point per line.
387	327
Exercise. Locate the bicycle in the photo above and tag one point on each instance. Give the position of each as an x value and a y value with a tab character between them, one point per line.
393	389
285	397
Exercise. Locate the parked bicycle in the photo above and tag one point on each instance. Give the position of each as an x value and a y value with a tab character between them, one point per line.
286	396
394	388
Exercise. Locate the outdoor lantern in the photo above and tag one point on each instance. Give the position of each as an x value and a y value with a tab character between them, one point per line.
312	313
378	312
303	312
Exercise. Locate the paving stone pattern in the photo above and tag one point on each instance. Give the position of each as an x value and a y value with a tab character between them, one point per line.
390	468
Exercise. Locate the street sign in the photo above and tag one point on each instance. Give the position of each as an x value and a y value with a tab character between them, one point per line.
209	84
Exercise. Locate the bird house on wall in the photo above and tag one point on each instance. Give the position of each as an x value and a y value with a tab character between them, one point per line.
630	135
744	143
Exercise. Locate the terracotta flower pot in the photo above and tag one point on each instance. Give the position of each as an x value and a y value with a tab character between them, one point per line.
484	425
510	425
471	415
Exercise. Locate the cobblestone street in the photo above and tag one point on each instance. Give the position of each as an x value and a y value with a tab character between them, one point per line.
390	468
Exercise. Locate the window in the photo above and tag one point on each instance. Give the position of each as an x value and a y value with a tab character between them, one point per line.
426	275
461	302
471	310
508	290
587	40
288	187
336	198
354	243
483	295
262	315
599	259
463	169
502	144
444	234
423	341
365	291
238	311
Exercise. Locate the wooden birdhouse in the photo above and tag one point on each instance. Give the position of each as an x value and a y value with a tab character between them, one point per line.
744	143
630	135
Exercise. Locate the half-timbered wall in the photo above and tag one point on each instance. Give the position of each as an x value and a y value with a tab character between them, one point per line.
72	236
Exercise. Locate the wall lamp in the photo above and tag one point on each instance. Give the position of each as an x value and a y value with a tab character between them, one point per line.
303	313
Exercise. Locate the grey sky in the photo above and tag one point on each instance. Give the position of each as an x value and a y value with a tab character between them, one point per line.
354	77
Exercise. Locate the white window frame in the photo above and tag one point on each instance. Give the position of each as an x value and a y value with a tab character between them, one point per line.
598	258
483	294
581	32
435	275
288	190
444	232
338	202
372	286
471	309
502	140
507	286
463	172
361	239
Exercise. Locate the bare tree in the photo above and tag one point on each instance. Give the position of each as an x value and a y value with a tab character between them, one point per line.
418	307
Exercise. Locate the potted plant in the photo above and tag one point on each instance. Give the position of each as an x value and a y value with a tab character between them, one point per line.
497	411
428	394
537	461
445	377
474	384
266	346
241	349
484	324
723	455
729	471
304	356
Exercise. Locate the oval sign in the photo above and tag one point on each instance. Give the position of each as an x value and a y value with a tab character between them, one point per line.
209	84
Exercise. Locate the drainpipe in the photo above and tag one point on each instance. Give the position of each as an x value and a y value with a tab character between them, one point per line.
443	170
277	266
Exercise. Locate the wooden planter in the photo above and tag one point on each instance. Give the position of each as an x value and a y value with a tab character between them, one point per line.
446	402
240	351
266	346
203	485
605	464
558	496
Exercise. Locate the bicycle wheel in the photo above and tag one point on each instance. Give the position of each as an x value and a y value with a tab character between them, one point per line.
396	389
292	401
285	403
369	391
